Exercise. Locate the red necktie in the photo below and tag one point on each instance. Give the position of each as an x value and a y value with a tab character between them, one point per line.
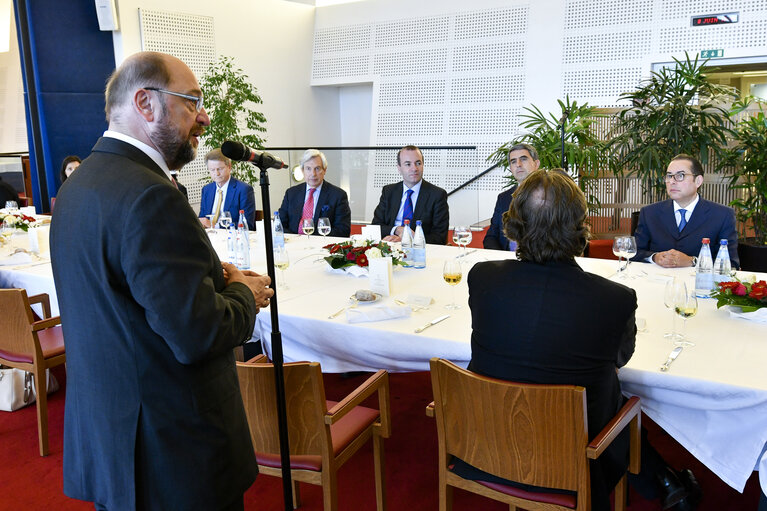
308	210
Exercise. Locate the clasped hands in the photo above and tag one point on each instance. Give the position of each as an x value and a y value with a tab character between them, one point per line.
258	284
672	259
397	236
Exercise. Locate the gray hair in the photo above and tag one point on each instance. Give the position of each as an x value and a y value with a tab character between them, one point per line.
523	147
145	69
313	153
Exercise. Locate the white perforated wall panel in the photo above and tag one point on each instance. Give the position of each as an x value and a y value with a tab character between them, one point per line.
191	39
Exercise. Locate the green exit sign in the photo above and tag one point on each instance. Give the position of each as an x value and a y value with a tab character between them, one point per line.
711	54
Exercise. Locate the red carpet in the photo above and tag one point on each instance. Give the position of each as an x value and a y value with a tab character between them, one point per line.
30	482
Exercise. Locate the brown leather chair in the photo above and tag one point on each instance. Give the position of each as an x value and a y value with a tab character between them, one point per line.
533	434
32	346
322	434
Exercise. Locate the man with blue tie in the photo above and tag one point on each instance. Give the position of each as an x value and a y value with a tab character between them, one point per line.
412	199
315	199
523	160
225	193
670	232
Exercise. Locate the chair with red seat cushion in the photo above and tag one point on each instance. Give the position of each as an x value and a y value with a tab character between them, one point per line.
322	434
30	345
533	434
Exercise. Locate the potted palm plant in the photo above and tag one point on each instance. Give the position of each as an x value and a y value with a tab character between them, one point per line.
748	156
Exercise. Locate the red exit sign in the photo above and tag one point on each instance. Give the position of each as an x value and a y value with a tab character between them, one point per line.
715	19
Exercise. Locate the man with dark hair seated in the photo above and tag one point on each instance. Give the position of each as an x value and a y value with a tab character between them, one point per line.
563	326
670	232
7	193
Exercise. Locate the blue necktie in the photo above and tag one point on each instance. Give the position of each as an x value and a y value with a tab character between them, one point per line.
407	211
683	221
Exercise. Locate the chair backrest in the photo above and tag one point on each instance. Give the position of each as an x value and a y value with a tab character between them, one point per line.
306	407
16	322
532	434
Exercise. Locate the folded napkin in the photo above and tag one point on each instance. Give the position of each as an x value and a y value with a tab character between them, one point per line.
376	313
760	315
354	271
16	259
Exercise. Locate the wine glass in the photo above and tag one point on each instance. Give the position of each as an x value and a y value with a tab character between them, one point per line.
462	236
308	225
225	220
673	287
281	261
629	250
686	305
6	232
452	274
212	227
618	251
11	206
323	226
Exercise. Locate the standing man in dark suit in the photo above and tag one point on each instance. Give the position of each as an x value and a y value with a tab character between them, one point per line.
669	233
154	419
414	199
561	325
523	159
225	193
316	198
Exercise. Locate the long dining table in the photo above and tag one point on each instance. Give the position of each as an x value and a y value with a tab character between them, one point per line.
712	400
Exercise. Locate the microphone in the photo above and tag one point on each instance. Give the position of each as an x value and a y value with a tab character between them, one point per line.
565	116
240	152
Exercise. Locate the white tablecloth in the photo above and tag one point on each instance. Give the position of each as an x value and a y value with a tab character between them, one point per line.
713	400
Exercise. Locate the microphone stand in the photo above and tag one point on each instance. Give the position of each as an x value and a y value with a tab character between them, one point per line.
277	359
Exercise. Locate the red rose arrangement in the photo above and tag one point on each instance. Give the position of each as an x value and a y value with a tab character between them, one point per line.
748	296
17	220
349	253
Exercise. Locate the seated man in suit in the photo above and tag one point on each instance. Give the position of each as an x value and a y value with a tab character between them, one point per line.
592	333
412	199
7	193
316	198
225	193
523	159
669	232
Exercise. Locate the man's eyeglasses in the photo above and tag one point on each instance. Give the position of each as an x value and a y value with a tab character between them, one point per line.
197	100
679	176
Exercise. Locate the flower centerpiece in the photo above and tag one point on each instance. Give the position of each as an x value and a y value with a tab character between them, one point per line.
749	296
17	220
357	253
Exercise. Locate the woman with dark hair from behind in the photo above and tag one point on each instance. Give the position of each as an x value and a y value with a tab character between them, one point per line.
542	319
68	166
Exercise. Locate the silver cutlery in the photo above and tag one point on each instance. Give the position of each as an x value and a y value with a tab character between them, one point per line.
466	253
339	311
431	323
671	357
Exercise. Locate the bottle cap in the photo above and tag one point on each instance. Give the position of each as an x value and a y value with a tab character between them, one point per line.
242	211
722	242
407	222
706	241
417	222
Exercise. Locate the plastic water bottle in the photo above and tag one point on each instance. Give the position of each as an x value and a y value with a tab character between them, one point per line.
704	271
407	244
722	265
242	245
419	247
278	233
231	245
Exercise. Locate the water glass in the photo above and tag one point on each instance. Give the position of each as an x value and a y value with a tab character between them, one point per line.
225	220
323	226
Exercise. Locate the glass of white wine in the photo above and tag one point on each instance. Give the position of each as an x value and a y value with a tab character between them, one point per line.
673	287
281	261
323	226
686	305
308	226
452	274
6	232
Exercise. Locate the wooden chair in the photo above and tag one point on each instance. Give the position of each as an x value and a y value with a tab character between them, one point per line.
323	434
31	345
533	434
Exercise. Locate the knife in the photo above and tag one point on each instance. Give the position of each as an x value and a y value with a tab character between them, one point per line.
466	253
671	357
427	325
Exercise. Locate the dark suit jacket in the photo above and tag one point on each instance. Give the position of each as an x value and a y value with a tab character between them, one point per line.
431	209
494	238
154	418
657	230
7	193
556	324
332	203
239	196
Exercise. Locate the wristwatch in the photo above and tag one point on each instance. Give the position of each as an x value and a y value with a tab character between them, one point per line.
694	261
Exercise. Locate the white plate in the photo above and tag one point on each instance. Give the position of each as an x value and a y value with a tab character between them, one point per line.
376	297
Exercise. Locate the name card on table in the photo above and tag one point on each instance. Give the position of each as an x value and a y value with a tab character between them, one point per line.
371	232
380	275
